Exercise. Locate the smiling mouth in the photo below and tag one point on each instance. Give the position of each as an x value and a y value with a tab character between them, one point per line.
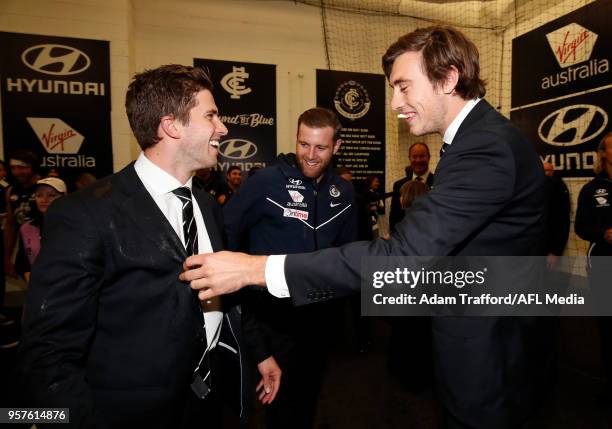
408	115
214	143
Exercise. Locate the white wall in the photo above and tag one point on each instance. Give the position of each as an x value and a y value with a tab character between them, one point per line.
145	34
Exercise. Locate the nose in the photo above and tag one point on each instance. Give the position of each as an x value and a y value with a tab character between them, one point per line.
311	152
397	100
221	128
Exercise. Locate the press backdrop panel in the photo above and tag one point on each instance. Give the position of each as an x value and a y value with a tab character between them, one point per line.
56	101
562	87
359	101
245	94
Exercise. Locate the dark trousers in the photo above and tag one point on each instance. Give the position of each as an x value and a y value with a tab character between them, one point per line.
600	278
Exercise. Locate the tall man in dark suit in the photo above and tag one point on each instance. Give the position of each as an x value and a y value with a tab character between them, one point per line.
488	199
110	331
418	170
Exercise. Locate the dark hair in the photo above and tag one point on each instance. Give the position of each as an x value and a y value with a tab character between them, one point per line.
27	156
441	48
419	144
369	180
319	117
232	168
166	90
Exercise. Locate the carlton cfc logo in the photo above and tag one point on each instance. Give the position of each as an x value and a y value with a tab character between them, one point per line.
59	60
237	149
233	82
352	100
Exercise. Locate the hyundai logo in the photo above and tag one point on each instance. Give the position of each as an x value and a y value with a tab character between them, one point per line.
573	125
237	149
55	59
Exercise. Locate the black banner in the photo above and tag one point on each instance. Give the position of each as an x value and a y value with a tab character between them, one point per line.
56	101
245	94
561	87
359	101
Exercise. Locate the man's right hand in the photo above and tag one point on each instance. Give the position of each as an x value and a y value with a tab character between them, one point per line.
224	272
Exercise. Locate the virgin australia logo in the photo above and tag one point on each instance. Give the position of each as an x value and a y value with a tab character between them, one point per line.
233	82
573	125
56	136
571	44
237	149
55	59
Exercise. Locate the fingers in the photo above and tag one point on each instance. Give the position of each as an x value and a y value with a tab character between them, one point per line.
274	389
267	388
263	393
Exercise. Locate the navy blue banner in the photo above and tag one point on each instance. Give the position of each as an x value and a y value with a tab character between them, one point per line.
359	101
56	101
245	94
561	82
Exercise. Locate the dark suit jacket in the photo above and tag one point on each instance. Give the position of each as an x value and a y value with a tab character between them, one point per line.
488	199
110	331
397	212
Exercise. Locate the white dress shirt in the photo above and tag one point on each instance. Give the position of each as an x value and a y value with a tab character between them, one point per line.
423	177
159	184
275	264
449	134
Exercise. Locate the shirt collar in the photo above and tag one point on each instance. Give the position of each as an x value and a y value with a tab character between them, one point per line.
155	179
452	129
424	176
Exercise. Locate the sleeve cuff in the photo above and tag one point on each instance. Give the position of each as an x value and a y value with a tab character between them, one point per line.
275	276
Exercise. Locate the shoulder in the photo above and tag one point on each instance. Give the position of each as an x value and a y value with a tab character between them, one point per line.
97	199
338	187
398	183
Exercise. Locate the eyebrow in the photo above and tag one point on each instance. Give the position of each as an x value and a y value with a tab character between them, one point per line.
398	81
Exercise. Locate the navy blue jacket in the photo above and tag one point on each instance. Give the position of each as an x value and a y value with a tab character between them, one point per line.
594	214
280	211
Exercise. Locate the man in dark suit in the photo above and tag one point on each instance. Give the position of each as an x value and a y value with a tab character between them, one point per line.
418	170
488	199
110	331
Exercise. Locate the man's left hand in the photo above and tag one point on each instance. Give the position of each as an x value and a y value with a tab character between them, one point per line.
268	387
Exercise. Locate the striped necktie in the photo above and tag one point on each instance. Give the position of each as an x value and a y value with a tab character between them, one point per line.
443	148
190	230
200	384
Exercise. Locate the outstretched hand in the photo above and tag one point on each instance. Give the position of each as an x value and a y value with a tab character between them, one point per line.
220	273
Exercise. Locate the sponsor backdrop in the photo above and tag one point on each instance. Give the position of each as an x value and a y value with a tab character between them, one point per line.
359	101
245	94
562	87
56	101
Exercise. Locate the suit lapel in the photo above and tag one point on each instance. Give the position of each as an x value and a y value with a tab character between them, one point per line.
474	116
146	216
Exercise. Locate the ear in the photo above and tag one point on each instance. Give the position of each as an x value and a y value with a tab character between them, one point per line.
168	126
452	78
337	144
